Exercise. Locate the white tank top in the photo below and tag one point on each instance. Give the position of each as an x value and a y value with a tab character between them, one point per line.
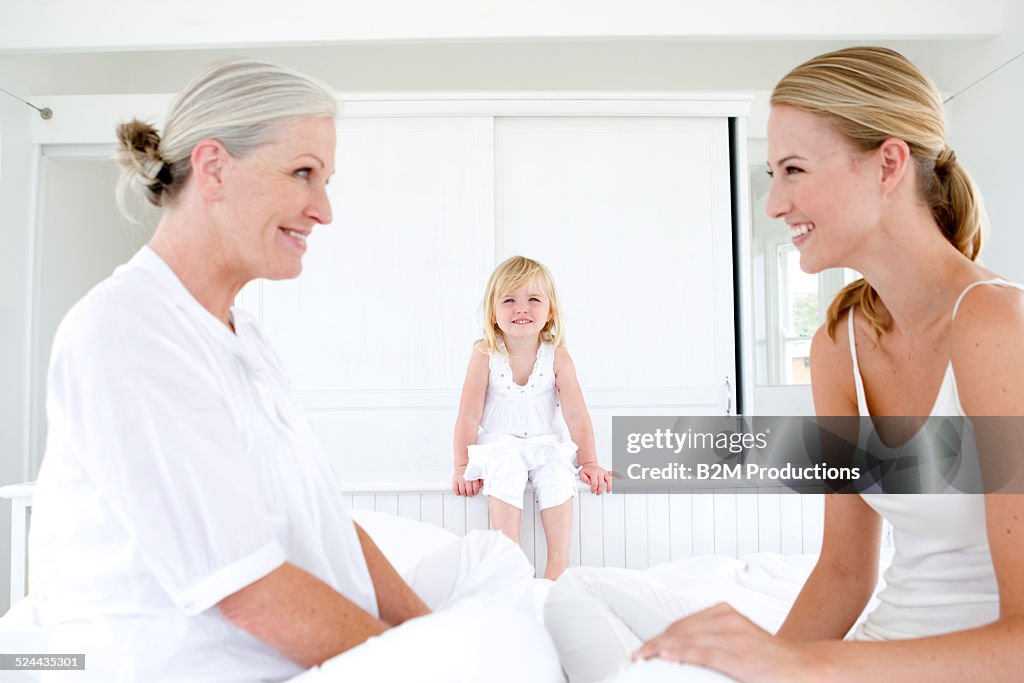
523	410
941	578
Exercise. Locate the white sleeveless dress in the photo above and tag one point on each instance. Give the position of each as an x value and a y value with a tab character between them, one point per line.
941	578
523	435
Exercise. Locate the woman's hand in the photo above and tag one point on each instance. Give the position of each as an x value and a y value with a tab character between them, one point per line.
722	639
461	487
598	478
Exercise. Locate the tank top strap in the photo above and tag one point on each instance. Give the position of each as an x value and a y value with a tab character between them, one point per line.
862	399
546	357
999	282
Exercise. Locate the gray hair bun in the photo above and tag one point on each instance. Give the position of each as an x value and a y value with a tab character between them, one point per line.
142	165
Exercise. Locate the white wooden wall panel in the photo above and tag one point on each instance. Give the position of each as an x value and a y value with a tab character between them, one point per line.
659	529
747	523
591	530
680	523
635	531
769	521
614	539
389	288
628	213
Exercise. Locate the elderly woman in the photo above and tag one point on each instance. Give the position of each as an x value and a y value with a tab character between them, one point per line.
862	174
187	526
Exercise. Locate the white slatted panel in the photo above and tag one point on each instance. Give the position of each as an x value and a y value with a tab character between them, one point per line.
659	529
591	529
432	509
455	514
746	523
769	521
703	519
386	502
635	521
636	531
363	501
409	505
725	522
614	530
476	513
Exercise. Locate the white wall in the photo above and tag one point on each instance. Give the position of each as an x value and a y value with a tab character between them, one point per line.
987	135
73	25
14	193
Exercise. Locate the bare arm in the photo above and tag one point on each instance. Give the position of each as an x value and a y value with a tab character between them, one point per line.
302	617
471	408
577	419
845	575
396	601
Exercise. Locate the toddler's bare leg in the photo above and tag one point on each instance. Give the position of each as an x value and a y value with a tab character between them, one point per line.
505	518
557	522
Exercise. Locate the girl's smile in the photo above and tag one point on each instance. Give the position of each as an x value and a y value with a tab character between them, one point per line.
522	312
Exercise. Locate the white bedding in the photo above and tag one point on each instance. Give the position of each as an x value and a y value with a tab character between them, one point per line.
762	586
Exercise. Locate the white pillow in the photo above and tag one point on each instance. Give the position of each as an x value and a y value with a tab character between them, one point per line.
403	541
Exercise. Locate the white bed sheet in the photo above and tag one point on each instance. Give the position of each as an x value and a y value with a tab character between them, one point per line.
404	542
762	586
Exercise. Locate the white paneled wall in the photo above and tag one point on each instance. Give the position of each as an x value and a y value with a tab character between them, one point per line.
627	201
636	531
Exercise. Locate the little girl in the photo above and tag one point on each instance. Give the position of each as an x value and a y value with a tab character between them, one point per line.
522	414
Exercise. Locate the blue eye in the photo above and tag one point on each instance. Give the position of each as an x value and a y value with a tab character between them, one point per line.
304	172
790	170
533	298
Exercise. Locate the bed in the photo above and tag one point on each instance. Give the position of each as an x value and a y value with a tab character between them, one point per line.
761	585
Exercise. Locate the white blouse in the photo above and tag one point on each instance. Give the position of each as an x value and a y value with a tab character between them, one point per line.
179	468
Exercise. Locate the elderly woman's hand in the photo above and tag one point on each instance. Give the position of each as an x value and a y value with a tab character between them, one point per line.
722	639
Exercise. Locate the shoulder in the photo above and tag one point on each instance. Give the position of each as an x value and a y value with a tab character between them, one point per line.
479	358
985	350
832	381
562	359
987	308
128	320
126	303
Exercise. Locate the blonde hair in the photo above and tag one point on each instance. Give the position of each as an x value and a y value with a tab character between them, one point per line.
238	102
511	274
871	94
